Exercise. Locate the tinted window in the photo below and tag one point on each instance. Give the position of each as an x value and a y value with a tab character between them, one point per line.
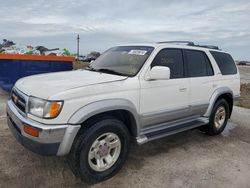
171	58
198	64
225	63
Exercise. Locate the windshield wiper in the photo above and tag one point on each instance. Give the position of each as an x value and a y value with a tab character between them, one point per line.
90	68
103	70
110	71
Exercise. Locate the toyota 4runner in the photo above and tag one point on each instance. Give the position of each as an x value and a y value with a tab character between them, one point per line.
141	92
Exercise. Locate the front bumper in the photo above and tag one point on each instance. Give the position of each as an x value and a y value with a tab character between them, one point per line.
52	139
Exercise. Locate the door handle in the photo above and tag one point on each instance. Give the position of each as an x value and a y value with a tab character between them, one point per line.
183	89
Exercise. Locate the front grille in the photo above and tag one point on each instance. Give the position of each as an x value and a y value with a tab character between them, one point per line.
18	100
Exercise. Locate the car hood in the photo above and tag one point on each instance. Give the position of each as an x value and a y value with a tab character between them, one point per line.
46	85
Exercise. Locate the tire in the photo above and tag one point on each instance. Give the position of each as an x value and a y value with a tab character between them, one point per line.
86	141
216	123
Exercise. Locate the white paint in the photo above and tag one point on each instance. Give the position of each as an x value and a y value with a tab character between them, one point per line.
79	88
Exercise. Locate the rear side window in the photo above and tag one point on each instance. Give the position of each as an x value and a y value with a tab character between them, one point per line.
198	64
225	63
171	58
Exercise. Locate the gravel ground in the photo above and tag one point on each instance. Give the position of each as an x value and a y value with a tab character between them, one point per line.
188	159
244	74
245	87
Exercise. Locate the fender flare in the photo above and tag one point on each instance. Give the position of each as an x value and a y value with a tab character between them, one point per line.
217	93
101	106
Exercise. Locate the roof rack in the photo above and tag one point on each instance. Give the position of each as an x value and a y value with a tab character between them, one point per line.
189	43
178	42
208	46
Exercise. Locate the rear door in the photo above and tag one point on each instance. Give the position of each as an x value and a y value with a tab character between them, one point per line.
201	78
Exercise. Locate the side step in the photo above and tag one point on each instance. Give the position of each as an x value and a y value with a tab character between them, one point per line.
170	130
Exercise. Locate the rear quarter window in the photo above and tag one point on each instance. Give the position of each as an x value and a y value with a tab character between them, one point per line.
225	62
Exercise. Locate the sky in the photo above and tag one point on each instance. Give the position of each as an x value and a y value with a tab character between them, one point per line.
102	24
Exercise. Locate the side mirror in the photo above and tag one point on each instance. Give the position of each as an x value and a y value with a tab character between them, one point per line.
159	73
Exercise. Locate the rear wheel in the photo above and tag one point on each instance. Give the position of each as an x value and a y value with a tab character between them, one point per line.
100	151
218	119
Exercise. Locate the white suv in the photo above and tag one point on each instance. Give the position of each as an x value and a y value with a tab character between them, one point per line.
143	92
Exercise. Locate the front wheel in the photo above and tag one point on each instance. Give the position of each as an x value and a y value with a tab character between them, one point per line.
101	150
218	119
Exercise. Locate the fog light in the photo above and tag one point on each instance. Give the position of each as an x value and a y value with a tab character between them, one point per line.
31	131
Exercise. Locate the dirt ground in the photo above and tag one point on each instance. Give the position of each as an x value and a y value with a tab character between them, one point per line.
188	159
244	74
245	87
80	65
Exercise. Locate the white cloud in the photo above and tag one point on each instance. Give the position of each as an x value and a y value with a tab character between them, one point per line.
103	23
50	19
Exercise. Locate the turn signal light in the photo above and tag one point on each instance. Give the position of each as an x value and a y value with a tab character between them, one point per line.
31	131
54	109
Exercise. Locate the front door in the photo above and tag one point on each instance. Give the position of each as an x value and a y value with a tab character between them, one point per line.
165	100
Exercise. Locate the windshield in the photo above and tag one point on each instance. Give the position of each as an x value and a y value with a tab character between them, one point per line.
122	60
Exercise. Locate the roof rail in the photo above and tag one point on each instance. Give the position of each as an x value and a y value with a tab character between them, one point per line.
189	43
208	46
178	41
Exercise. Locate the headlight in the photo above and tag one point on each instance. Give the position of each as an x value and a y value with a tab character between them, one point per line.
43	108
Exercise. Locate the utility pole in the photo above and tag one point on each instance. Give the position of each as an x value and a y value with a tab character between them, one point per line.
78	41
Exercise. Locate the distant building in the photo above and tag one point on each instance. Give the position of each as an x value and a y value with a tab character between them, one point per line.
243	63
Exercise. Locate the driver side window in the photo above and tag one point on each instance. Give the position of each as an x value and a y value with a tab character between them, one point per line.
171	58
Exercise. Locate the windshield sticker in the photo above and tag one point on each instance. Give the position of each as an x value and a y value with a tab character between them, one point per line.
137	52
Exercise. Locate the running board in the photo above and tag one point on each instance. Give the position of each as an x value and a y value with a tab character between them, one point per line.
170	130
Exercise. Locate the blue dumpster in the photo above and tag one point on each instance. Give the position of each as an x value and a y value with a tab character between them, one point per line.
15	66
